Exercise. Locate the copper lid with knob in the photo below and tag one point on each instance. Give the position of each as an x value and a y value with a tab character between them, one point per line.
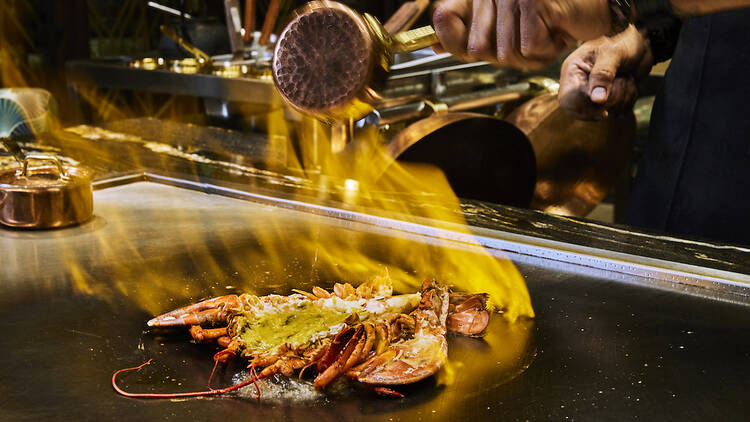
45	196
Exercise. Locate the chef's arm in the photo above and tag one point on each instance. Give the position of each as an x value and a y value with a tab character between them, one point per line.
601	77
704	7
533	33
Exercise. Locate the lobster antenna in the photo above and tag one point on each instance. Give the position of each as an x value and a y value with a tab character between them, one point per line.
253	380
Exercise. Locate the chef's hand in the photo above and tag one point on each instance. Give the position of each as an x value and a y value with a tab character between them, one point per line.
602	75
518	33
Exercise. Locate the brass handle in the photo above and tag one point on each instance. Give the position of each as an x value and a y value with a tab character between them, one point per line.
190	48
44	157
415	39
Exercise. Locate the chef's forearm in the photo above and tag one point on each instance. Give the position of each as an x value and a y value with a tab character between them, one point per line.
704	7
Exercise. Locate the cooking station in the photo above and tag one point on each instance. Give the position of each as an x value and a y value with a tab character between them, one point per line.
628	324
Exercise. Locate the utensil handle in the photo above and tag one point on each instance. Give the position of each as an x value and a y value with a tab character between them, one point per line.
269	22
12	146
405	16
459	102
415	39
249	20
190	48
234	23
488	97
529	87
169	10
467	101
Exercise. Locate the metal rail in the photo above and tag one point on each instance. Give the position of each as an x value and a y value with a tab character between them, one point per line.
691	279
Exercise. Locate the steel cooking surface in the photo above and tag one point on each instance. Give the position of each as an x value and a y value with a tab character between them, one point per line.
75	303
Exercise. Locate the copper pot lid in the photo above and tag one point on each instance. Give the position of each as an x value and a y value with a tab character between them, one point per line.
46	177
46	196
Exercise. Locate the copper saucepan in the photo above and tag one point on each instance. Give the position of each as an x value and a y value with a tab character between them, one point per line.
538	157
483	157
578	162
45	196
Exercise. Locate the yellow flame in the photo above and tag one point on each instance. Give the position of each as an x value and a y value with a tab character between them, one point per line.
365	177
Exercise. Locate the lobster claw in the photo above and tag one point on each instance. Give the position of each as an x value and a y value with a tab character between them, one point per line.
210	311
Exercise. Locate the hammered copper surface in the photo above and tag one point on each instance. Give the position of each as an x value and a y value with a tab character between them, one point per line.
331	62
323	57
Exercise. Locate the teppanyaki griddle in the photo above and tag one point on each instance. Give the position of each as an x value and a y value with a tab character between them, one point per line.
604	344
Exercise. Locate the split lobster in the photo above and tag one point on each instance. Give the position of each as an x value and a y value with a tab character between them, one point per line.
365	333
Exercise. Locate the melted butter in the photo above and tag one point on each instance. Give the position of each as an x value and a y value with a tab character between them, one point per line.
267	332
263	330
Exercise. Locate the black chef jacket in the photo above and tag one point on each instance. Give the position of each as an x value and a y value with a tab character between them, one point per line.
694	178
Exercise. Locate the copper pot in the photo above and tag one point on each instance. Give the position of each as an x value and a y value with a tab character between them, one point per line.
49	195
538	157
483	157
578	162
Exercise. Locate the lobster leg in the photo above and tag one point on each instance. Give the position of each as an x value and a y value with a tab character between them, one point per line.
225	355
387	392
359	352
230	351
224	341
334	350
314	355
382	332
419	357
337	367
371	337
206	335
213	311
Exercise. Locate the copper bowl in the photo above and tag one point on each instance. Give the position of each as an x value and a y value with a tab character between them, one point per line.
45	196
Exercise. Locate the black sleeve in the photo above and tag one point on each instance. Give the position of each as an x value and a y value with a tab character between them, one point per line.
661	24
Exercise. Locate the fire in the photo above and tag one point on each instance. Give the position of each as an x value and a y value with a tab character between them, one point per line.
364	177
359	177
270	250
142	259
